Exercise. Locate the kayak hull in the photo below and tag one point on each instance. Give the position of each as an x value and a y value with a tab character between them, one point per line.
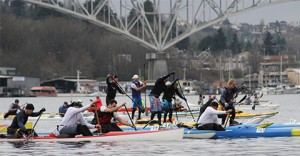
158	135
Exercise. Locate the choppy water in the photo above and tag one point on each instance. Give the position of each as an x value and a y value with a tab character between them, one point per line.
289	109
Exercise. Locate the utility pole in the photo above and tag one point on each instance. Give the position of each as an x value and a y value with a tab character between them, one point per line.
78	84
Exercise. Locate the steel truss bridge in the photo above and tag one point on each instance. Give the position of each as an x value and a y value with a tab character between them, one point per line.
155	24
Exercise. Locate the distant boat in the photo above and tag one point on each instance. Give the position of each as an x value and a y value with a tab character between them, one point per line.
42	91
190	91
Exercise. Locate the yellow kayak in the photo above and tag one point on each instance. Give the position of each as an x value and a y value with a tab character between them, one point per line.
240	114
3	127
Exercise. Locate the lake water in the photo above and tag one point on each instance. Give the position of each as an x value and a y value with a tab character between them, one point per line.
289	109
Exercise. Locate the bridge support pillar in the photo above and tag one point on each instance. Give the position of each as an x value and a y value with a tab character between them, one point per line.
157	64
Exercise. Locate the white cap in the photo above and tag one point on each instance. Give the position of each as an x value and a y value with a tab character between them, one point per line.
168	83
135	77
79	100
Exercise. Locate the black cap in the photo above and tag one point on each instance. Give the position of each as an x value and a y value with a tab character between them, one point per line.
77	104
29	106
16	101
214	104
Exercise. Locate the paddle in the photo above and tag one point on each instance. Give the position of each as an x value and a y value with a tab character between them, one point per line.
254	104
186	101
201	97
32	131
97	118
130	118
140	108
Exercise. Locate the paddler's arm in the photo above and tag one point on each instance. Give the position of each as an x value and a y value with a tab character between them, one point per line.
84	122
122	121
114	109
20	123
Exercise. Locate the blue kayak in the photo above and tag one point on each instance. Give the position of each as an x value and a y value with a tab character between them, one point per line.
245	131
240	131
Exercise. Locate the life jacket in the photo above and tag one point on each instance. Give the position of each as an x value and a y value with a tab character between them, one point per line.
105	117
136	94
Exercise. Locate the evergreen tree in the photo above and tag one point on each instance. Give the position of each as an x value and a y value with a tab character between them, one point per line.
268	44
220	41
235	45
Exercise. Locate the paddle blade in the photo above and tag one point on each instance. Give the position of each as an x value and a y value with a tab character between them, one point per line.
242	99
141	109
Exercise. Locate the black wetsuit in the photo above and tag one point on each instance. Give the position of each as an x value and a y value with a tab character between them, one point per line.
112	89
228	95
171	90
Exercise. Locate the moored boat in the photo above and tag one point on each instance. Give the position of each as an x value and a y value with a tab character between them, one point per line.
43	91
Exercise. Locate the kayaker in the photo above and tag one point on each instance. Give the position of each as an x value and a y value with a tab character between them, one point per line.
209	119
227	99
97	103
106	114
17	128
167	99
13	108
63	109
136	87
155	103
112	87
73	123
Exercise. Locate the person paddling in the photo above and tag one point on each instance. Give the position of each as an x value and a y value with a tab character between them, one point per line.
209	119
167	99
112	87
13	108
97	103
63	109
227	99
136	87
105	115
155	103
17	128
73	123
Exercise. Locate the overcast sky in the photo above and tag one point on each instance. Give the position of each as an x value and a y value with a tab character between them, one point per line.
286	11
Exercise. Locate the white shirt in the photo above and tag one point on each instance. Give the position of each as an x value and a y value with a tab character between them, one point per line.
102	109
210	115
74	116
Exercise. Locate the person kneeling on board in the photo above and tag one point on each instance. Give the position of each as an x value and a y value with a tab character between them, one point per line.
17	128
106	113
209	118
73	123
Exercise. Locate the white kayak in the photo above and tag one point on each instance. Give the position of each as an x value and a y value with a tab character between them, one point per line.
152	135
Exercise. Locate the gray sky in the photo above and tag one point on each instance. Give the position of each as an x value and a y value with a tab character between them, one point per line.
286	11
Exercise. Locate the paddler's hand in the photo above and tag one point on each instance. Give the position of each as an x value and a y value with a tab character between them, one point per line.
42	110
229	111
123	104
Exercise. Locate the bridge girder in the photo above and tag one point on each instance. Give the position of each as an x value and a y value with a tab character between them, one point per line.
166	23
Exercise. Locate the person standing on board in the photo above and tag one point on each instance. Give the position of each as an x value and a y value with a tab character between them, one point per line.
136	87
97	103
209	119
73	123
112	87
17	127
227	99
155	103
106	114
13	108
167	99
